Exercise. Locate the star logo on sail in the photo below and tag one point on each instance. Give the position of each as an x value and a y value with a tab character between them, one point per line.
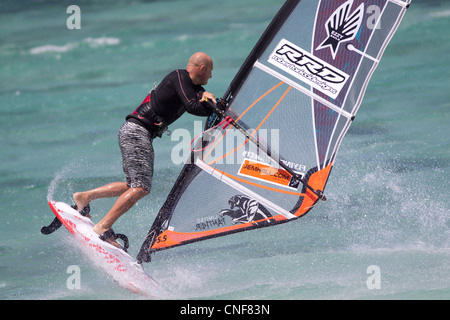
342	26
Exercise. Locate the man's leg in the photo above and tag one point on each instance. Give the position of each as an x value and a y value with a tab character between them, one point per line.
114	189
137	161
127	200
124	203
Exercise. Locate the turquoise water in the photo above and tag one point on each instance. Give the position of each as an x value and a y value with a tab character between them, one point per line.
64	94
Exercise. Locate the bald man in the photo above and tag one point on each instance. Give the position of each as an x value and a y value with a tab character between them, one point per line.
179	92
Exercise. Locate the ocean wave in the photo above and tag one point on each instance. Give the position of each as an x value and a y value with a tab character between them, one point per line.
51	48
440	14
92	42
102	41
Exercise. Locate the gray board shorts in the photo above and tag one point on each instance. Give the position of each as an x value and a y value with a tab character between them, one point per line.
137	155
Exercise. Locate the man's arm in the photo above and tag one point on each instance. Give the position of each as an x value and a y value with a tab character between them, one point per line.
191	99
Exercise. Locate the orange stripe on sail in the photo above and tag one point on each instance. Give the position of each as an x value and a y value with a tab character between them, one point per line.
172	238
257	128
260	185
242	114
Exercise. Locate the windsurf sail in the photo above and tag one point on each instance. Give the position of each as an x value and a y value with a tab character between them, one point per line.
291	103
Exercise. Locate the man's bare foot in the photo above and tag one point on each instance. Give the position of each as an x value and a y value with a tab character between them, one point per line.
81	201
100	231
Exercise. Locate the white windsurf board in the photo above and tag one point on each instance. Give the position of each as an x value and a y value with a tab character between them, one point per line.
117	263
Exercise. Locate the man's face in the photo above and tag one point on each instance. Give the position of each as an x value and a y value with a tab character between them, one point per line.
205	73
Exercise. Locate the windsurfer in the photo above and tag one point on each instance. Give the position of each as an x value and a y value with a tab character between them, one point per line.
179	91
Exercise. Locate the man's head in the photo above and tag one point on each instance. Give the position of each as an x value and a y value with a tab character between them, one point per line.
199	67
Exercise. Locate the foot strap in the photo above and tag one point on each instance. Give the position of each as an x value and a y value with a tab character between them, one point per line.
110	233
85	211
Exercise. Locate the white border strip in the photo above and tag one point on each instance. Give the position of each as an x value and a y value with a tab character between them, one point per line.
400	3
216	174
295	85
313	114
351	47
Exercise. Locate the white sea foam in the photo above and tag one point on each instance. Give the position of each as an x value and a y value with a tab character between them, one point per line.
92	42
56	181
102	41
445	13
52	48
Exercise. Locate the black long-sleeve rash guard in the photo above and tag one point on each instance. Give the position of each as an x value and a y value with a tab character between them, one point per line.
175	95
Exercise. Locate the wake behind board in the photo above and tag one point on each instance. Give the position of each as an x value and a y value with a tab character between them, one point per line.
124	269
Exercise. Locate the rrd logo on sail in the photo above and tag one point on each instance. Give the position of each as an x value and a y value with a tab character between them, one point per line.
308	68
